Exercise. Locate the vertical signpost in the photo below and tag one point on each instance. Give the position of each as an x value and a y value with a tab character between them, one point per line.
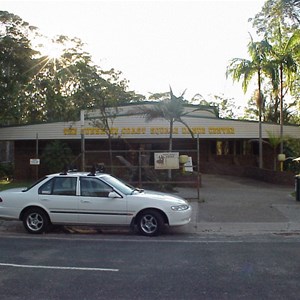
198	168
82	141
36	161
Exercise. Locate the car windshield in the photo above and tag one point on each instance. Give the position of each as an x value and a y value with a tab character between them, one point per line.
119	185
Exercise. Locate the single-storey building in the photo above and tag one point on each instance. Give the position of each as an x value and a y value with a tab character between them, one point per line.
221	143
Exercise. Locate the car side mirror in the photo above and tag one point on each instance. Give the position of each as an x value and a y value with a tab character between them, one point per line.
113	194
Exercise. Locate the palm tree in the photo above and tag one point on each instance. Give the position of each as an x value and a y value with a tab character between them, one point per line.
171	109
245	69
283	53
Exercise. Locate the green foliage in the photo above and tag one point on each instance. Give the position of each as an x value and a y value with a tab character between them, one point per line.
226	106
292	150
279	23
6	171
37	88
17	65
274	12
170	108
273	61
56	156
11	184
257	65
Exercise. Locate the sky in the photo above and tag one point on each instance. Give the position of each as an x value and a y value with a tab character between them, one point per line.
155	44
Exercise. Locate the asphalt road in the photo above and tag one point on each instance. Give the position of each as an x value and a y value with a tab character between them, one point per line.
126	266
243	243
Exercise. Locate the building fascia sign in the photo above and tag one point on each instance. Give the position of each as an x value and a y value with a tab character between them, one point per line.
166	160
93	131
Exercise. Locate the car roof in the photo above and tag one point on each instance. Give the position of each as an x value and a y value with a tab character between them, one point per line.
77	174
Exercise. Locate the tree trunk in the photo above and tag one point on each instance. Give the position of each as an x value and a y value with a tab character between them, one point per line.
281	109
170	146
110	154
259	103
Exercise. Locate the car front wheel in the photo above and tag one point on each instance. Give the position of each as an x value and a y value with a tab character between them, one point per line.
35	221
150	223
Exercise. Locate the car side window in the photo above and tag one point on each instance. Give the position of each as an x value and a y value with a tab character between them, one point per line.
59	186
64	186
46	188
94	187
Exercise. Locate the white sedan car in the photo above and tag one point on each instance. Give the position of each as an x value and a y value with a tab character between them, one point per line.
92	199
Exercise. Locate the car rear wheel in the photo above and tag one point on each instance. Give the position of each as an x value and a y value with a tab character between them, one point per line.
36	221
150	223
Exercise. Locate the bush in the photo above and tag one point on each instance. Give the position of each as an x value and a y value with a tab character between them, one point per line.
56	156
6	171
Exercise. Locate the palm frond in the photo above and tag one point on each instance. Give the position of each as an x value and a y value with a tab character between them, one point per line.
187	127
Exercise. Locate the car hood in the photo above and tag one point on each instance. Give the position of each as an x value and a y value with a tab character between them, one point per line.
154	195
14	190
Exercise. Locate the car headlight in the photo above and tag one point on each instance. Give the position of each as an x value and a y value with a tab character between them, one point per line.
180	207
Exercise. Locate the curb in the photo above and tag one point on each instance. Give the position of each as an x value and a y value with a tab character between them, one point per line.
7	226
247	228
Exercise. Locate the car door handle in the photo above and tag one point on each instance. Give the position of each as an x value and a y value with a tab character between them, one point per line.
85	201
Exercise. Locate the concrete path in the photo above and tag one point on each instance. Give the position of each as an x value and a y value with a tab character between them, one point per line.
233	205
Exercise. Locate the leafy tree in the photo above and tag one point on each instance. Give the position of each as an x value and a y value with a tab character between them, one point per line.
37	88
273	12
17	65
62	86
291	9
107	110
227	107
270	109
279	22
109	92
56	156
